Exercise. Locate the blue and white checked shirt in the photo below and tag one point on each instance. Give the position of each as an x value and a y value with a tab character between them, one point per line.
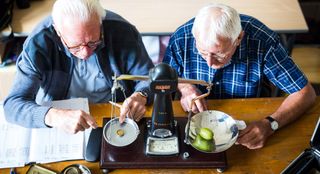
259	57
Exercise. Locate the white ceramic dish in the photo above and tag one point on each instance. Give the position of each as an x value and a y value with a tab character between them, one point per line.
224	127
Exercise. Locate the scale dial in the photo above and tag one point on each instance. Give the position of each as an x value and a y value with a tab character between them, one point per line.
162	146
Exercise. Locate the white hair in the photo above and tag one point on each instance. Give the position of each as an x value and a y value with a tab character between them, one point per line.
79	10
216	20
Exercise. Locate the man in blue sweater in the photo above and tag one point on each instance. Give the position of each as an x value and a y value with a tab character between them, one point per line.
74	53
238	55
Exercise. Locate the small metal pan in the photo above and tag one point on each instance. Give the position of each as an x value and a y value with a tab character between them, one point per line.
120	134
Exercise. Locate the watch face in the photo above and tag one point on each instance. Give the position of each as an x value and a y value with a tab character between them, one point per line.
274	125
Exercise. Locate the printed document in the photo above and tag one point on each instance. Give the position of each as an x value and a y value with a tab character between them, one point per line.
20	146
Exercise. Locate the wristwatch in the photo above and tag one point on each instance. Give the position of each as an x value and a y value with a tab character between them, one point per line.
273	123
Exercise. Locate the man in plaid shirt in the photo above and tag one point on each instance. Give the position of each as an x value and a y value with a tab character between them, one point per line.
238	54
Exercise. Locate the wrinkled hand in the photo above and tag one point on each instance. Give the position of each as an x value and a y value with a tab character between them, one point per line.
71	121
255	135
189	92
133	107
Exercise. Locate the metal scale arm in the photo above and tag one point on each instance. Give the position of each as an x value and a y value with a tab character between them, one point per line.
180	80
209	86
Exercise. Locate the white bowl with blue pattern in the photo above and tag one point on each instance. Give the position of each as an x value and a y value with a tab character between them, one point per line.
223	126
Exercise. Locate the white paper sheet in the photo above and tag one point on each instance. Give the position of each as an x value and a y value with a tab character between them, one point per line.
20	146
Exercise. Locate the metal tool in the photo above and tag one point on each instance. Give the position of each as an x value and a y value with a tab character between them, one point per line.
162	130
190	113
76	169
162	137
115	104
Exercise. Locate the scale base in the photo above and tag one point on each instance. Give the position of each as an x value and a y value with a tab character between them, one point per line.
133	156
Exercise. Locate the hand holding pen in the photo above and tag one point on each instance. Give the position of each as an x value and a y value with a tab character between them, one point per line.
133	107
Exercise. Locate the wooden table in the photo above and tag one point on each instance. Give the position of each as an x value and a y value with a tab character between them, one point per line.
154	17
284	146
165	16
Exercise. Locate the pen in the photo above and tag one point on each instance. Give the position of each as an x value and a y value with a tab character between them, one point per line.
115	104
119	106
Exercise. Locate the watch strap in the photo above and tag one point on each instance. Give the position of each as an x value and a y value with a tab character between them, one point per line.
143	94
270	119
273	123
146	94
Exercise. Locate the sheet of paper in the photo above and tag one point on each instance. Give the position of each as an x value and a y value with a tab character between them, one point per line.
21	145
14	143
50	145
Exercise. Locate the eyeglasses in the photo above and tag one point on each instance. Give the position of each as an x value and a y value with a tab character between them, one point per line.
92	44
207	55
220	57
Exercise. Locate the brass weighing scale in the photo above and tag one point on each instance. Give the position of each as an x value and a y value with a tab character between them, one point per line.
161	141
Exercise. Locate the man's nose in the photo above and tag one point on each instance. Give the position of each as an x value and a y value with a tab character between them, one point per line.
85	52
209	61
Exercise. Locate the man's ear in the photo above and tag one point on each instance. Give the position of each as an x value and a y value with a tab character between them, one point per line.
241	36
55	28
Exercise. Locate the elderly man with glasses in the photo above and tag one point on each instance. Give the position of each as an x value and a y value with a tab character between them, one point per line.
74	53
238	55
